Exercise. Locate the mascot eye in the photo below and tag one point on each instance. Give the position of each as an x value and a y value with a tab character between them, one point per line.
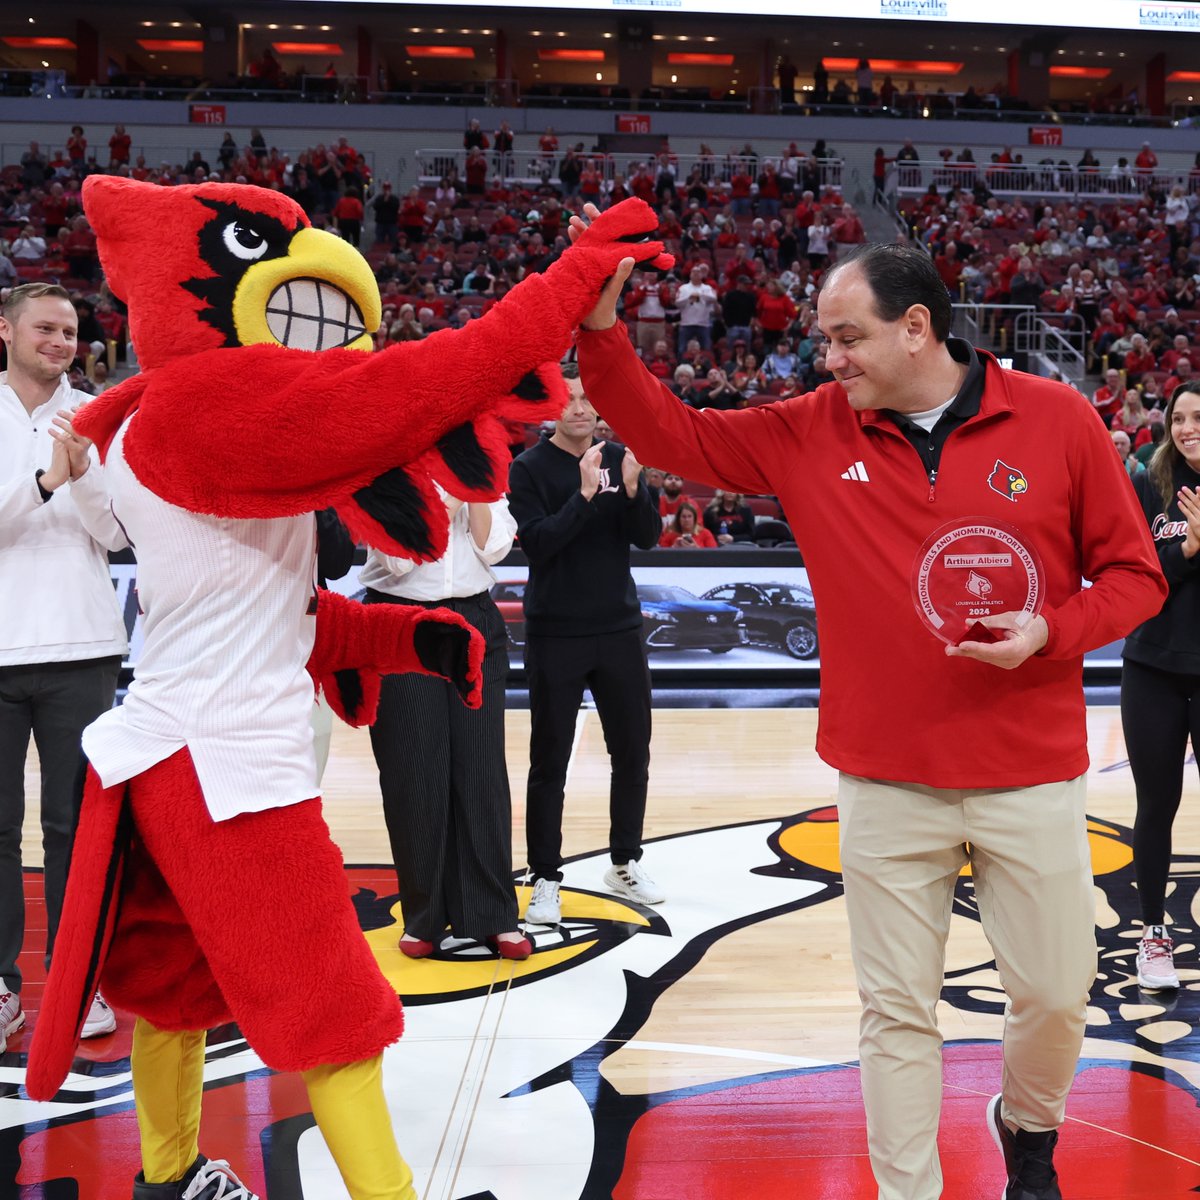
243	242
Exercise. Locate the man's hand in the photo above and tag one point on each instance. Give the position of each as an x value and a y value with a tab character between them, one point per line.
604	315
77	446
59	470
1189	505
589	471
631	473
1020	639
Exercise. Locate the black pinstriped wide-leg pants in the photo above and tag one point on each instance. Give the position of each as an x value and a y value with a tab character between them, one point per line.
445	790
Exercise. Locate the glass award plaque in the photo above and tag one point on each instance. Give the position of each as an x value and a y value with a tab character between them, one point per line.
972	568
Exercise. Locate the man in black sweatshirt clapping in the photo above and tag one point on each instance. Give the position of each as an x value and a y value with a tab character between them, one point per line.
579	504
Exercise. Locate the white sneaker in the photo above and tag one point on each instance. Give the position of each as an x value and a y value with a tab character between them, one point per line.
545	908
631	881
100	1019
12	1016
1156	960
216	1181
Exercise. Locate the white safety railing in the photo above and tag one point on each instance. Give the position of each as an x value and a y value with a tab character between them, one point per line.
1033	179
1059	348
535	167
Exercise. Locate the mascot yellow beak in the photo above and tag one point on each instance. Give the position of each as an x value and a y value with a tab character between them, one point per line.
321	295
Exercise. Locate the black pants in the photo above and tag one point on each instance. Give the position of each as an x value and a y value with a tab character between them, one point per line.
614	666
1160	710
54	702
445	790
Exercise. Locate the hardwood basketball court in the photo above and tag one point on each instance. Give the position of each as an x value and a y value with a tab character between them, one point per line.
702	1050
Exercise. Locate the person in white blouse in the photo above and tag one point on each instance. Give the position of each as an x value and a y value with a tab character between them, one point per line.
29	247
442	771
63	636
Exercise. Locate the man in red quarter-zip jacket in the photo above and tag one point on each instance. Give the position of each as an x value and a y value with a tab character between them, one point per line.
949	753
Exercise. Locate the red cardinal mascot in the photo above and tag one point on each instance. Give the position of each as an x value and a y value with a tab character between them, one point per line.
254	408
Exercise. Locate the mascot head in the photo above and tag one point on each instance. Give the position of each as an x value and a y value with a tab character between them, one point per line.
1008	481
225	264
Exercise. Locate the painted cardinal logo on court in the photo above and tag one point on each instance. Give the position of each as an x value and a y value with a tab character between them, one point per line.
1010	482
593	1044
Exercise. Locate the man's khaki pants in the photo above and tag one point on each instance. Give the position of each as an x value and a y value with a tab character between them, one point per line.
902	848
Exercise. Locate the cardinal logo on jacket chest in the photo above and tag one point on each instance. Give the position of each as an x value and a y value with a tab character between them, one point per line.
1010	482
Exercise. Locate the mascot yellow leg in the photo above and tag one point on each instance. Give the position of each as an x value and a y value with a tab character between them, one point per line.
168	1082
347	1101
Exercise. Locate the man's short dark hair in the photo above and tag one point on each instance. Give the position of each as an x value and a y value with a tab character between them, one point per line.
899	277
15	300
570	370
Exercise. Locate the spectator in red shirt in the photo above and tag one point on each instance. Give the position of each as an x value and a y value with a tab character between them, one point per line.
1107	398
81	249
1145	162
740	265
55	207
949	269
77	146
475	172
671	496
1181	374
775	313
848	231
412	217
1139	360
685	532
1180	348
660	363
504	224
642	186
589	184
769	191
118	147
348	217
740	186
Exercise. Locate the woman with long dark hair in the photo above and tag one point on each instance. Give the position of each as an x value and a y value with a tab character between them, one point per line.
1160	684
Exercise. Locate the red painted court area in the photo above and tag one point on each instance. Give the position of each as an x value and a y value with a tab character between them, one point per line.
785	1133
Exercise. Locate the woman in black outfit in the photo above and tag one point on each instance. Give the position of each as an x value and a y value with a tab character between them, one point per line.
1160	685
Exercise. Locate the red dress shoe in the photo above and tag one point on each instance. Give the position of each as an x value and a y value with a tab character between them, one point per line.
520	949
415	947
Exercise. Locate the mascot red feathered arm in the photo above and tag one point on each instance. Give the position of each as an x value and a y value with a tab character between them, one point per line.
255	399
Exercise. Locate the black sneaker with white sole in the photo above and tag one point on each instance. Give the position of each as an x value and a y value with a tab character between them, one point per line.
166	1191
1028	1159
216	1181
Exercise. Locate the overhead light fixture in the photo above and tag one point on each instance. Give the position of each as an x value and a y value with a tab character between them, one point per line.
1081	72
559	54
897	66
39	43
692	58
172	45
330	48
440	51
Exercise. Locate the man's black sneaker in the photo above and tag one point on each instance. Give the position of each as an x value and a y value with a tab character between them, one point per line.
1028	1159
166	1191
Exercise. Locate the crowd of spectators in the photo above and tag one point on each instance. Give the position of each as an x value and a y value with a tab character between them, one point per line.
1118	270
733	324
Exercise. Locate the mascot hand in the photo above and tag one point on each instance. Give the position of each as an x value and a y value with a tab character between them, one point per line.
447	646
623	231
